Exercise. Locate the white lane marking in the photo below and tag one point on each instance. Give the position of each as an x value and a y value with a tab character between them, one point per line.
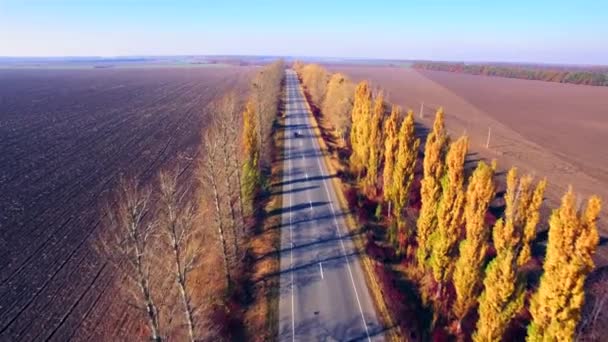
350	272
306	175
310	204
293	319
321	269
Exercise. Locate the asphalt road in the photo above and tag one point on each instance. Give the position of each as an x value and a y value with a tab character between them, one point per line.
323	294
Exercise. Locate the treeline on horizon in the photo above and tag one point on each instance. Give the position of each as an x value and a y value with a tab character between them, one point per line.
574	75
474	273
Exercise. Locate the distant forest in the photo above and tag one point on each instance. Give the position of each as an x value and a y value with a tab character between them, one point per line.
597	76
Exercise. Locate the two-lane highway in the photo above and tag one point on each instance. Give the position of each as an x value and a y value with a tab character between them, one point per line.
323	294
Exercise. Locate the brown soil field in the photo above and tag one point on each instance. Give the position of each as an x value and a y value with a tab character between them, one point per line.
548	129
65	136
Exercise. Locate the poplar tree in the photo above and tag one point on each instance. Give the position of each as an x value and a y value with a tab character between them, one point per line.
531	216
468	272
430	187
506	235
403	175
502	298
573	239
374	152
449	213
359	132
251	172
391	143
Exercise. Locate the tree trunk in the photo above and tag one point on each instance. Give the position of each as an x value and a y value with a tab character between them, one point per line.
220	228
145	290
181	280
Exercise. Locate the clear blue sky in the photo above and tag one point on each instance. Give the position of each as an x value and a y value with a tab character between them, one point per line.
534	30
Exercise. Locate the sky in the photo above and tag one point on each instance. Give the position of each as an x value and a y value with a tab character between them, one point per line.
574	32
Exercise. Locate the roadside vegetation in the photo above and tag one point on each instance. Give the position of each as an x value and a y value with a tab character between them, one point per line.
575	75
455	257
186	247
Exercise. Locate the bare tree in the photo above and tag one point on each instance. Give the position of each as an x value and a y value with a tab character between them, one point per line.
129	232
209	173
177	223
231	122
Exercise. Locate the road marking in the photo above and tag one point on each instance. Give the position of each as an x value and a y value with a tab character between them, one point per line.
293	319
321	269
339	234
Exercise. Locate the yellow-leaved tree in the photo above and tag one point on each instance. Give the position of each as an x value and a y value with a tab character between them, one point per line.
251	171
468	272
403	176
373	146
449	213
391	143
430	187
573	239
360	117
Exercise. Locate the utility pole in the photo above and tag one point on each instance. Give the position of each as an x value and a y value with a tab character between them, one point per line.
422	110
489	134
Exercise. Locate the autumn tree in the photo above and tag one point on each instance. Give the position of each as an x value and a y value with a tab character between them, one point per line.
449	213
373	146
530	212
176	221
251	177
265	96
502	297
315	79
391	144
430	191
468	271
338	104
573	239
361	113
403	175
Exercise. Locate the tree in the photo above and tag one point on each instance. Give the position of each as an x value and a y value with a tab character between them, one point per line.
338	104
502	298
403	175
129	231
251	176
506	235
573	239
178	226
430	187
315	79
374	142
209	172
391	144
360	129
449	213
468	272
531	216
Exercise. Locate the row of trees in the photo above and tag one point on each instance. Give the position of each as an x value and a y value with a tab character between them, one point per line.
589	77
462	261
332	94
156	232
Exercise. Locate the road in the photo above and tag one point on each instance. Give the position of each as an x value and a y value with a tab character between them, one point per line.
323	293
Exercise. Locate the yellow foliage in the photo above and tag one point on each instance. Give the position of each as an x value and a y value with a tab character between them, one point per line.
315	78
573	239
391	143
338	104
449	212
403	175
468	271
373	143
502	297
360	130
430	191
